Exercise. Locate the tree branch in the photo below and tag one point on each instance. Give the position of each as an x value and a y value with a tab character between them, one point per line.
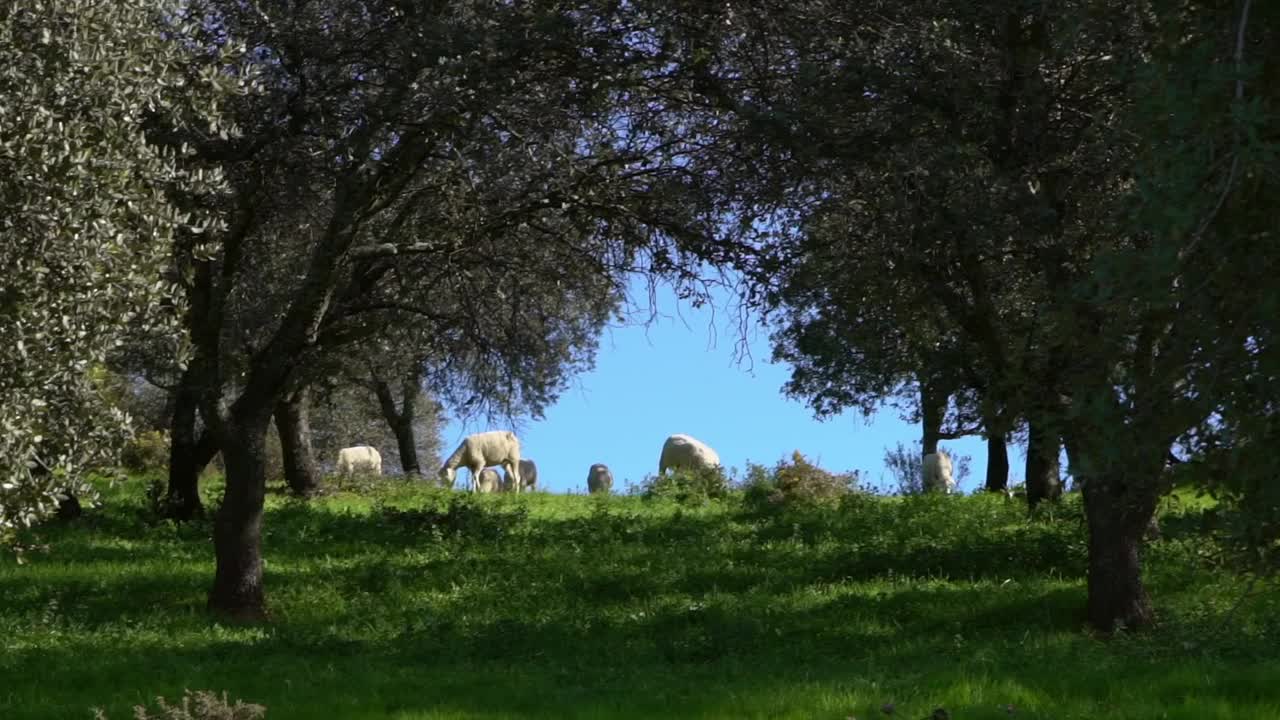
1238	56
381	250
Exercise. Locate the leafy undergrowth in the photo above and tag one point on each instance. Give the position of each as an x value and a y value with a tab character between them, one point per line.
404	602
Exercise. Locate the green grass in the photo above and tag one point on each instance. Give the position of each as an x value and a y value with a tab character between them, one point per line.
391	605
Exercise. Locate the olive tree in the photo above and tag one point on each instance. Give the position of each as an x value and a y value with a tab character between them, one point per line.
88	225
449	158
1079	192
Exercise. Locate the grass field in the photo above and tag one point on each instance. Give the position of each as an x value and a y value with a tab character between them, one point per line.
395	603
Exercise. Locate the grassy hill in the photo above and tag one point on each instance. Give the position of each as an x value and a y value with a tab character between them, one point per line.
403	602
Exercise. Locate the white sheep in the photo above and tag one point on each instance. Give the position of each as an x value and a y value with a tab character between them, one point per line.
489	481
528	477
684	451
599	479
936	473
359	459
482	450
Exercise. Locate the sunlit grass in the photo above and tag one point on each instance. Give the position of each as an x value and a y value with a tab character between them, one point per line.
583	607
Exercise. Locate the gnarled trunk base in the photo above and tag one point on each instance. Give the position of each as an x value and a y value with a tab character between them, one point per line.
237	591
1118	513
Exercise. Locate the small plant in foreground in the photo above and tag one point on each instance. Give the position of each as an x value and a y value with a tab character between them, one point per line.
196	705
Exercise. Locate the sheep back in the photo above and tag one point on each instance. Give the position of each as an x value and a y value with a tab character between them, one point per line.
361	458
685	451
599	479
489	481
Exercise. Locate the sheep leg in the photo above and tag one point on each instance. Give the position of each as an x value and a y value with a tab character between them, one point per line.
514	469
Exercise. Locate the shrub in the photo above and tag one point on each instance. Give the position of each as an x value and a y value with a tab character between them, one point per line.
759	490
798	482
801	480
686	485
155	499
146	451
904	463
196	705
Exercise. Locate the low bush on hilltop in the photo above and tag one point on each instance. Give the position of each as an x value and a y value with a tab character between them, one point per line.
796	482
687	485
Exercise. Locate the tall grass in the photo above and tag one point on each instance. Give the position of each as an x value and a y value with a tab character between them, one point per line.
404	602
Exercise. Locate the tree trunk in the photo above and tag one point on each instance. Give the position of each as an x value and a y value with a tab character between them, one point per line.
189	453
294	425
1117	597
1044	481
237	590
408	444
997	462
402	420
1120	490
933	409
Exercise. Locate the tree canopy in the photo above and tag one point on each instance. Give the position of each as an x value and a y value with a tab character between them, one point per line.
1002	213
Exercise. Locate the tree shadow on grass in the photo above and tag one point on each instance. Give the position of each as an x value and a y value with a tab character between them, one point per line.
718	659
488	613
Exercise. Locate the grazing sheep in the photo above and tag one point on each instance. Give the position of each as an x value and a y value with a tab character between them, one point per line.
489	481
936	470
528	477
684	451
360	459
599	479
482	450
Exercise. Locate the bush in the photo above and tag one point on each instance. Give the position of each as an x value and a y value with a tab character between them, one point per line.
798	482
801	480
146	451
686	485
904	463
196	705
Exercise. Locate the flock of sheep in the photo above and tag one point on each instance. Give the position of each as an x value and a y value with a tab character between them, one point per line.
482	452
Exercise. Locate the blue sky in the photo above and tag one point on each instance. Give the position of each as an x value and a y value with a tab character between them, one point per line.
679	375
